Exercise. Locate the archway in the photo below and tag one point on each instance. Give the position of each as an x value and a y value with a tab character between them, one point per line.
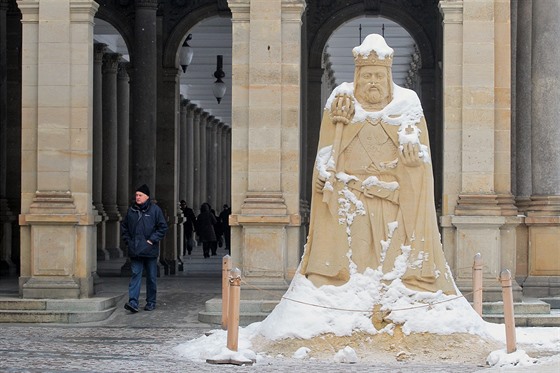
411	40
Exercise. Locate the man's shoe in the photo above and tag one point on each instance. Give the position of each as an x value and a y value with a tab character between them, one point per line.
150	307
130	308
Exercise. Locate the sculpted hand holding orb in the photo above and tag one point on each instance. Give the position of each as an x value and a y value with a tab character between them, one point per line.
372	204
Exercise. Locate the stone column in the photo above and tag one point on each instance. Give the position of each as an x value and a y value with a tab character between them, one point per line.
543	213
110	160
144	95
168	136
57	219
196	160
184	103
124	196
266	139
190	154
6	216
311	131
522	129
213	163
219	165
99	51
227	186
183	161
203	158
478	214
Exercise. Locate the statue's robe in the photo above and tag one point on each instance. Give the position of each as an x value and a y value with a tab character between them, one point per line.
371	148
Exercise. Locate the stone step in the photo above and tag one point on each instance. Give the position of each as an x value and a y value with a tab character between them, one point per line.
245	318
529	306
66	311
550	320
530	312
553	301
59	317
245	306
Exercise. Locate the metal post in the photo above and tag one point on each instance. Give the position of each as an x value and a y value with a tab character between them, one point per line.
226	268
233	309
507	295
477	284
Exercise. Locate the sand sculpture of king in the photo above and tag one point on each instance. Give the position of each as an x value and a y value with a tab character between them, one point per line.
373	198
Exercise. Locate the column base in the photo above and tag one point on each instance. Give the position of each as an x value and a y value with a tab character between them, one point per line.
114	252
51	288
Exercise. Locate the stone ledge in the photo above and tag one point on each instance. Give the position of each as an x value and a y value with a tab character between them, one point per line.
64	311
551	320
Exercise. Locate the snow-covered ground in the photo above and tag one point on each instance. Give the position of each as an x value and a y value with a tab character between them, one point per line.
306	314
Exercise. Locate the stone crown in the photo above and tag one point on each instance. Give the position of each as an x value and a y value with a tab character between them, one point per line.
372	59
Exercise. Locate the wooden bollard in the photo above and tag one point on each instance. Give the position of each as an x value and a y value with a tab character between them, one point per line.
507	295
477	283
233	309
226	268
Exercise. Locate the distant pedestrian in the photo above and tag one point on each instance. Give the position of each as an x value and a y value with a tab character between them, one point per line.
219	233
205	228
188	227
226	229
142	229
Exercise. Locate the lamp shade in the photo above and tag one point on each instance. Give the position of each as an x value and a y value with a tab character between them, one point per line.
186	54
219	89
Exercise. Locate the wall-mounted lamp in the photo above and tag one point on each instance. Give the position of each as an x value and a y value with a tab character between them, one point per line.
186	54
219	87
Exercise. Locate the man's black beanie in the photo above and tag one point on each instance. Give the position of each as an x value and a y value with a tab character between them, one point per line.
144	189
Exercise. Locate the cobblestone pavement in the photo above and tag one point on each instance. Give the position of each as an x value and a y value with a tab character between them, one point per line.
144	342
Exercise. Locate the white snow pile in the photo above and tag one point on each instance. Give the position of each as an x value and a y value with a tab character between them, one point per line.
346	355
501	358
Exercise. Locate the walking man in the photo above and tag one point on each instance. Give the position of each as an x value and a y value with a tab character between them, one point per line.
142	229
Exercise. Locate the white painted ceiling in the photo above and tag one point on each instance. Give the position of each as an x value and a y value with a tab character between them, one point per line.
212	37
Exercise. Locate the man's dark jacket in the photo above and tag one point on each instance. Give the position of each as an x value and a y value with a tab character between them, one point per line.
143	223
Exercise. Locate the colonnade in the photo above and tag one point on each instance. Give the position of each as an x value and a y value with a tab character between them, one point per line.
203	144
206	162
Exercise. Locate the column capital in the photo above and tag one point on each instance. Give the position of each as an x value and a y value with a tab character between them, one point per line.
240	10
123	70
99	50
111	62
452	11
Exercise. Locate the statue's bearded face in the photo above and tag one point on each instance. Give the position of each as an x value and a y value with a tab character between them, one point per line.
372	86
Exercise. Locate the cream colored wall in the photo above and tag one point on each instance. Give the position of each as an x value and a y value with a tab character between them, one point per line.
58	231
478	210
266	60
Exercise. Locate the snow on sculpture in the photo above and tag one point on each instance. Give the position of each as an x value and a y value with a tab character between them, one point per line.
374	244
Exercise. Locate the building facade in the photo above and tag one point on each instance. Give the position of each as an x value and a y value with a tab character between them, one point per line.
81	126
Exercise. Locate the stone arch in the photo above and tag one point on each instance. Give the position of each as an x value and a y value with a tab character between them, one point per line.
320	36
179	32
420	20
122	25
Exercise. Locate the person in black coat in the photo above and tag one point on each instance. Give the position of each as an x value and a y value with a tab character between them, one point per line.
142	229
188	227
205	228
226	229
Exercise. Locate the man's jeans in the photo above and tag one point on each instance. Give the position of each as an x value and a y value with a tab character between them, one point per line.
136	266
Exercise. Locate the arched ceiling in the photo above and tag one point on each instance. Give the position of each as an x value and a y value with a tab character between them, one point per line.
213	36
